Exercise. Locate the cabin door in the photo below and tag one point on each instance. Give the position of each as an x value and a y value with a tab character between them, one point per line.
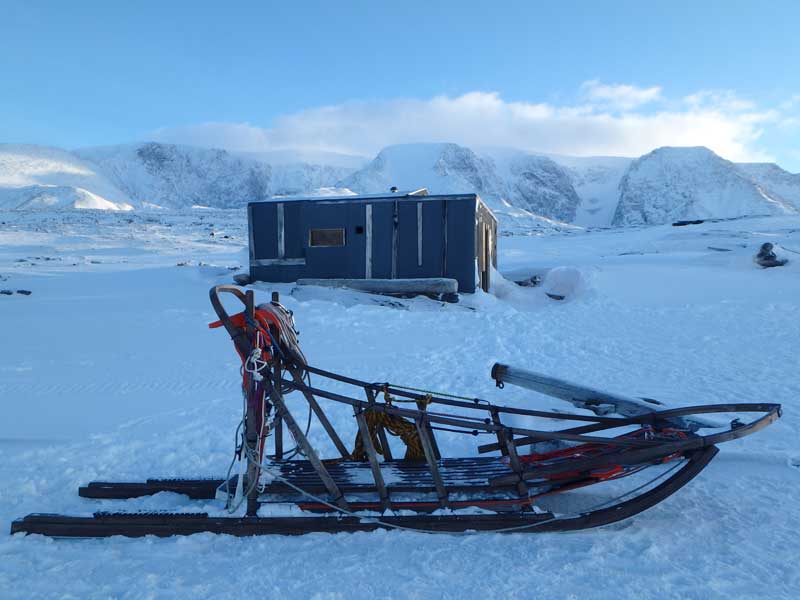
486	263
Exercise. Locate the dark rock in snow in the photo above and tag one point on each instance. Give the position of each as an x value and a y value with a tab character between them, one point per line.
767	258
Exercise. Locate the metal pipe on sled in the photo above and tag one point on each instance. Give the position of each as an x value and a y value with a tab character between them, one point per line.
427	491
597	401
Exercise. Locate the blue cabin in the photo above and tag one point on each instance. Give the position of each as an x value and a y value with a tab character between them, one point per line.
399	235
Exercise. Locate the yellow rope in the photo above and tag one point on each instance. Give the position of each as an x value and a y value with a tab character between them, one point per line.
396	426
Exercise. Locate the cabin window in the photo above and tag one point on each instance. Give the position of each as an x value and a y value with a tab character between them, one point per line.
326	238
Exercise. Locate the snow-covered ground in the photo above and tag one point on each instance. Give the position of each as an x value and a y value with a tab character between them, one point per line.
108	371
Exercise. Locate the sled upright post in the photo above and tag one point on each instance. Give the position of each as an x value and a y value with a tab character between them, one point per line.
251	427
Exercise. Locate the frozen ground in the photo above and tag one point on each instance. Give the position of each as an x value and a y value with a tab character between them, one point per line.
107	371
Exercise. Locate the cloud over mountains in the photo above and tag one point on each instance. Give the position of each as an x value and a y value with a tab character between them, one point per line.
603	119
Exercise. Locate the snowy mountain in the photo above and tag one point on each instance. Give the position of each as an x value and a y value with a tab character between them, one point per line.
174	176
442	168
180	176
523	189
781	184
296	179
513	184
596	181
535	183
670	184
290	156
44	177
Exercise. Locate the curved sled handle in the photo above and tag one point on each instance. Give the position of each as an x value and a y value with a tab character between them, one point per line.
247	299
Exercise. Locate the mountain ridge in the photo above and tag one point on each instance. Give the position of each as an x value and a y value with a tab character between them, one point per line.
665	184
674	183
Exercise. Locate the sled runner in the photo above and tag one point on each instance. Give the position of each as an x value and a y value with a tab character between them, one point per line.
533	470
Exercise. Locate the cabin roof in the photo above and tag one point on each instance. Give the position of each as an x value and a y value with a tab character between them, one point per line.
409	195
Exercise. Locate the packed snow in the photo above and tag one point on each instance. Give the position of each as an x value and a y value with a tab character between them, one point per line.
110	372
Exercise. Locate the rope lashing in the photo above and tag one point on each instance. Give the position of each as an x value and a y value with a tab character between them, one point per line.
431	393
389	399
397	426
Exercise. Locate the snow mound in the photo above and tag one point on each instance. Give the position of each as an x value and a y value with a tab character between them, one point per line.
44	177
558	283
331	191
56	197
564	283
670	184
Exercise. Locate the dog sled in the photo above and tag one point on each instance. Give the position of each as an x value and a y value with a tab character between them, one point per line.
531	470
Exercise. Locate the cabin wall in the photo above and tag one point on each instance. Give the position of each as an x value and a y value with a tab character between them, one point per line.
384	238
459	241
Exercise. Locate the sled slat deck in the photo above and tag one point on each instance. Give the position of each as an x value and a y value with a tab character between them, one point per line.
461	475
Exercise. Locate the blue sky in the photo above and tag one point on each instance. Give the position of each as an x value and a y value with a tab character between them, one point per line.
565	77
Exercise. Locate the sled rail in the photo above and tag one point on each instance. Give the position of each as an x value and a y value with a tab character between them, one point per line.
165	525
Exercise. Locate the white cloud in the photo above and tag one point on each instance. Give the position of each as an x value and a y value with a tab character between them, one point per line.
599	125
624	97
720	100
233	136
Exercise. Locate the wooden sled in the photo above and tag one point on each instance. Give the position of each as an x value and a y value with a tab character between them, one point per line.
524	478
